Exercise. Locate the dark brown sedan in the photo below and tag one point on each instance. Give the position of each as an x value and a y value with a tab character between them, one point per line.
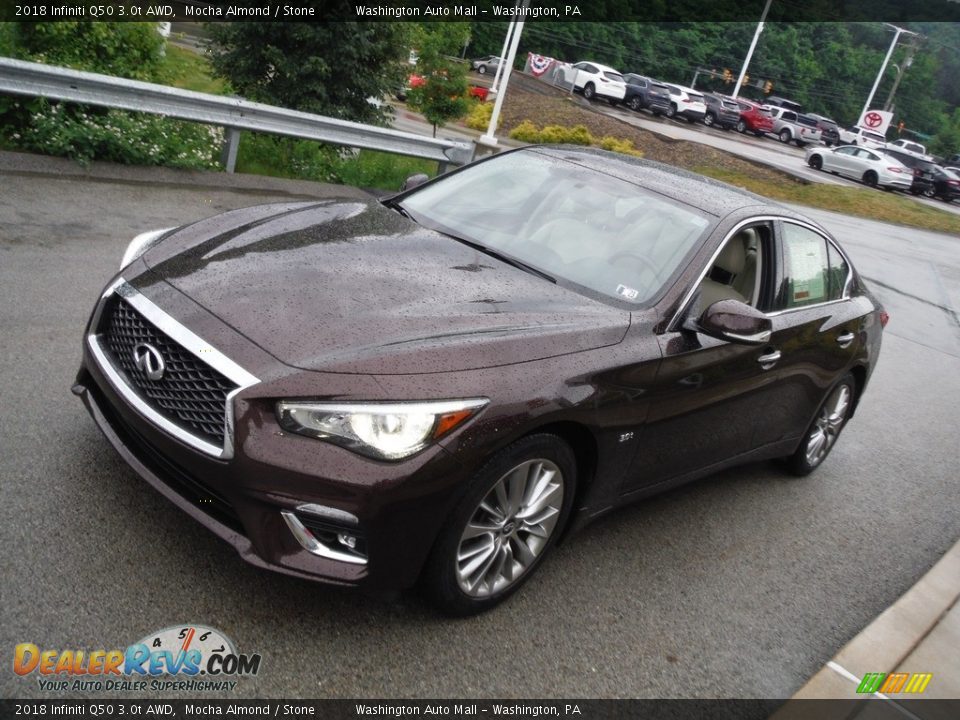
437	387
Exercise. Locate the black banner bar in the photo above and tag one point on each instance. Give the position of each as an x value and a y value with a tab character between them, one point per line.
875	708
476	10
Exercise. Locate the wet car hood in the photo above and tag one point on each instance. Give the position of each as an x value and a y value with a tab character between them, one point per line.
355	287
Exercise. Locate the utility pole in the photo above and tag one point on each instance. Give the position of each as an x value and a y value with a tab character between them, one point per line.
896	36
489	138
901	69
753	45
503	54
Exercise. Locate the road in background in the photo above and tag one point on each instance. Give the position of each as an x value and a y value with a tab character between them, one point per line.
741	585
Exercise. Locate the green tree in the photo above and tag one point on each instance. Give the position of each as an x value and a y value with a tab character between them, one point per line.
947	141
124	49
443	95
332	69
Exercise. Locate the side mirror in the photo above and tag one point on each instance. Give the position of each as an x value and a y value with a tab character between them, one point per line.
413	181
735	321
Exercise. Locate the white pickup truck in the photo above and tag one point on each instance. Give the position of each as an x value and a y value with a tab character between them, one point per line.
791	126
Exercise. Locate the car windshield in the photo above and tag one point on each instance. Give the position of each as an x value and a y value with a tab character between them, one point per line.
873	136
613	76
581	227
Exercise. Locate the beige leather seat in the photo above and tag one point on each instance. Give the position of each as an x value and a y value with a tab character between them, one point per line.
731	262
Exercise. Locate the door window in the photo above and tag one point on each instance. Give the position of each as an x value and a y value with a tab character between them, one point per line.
814	271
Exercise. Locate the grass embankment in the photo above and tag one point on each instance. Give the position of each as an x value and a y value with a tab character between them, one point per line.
859	202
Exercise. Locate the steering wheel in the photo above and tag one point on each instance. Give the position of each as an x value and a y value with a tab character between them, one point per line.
645	262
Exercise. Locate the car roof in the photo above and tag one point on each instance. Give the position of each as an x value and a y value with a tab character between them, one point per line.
712	196
601	68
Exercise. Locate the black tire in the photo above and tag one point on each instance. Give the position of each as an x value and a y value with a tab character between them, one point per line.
784	135
870	178
741	126
826	425
672	111
709	120
589	91
634	103
816	162
482	69
442	575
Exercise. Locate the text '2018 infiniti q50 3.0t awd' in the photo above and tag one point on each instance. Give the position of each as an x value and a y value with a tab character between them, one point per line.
433	388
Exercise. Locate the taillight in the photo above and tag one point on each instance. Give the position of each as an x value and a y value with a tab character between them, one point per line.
884	318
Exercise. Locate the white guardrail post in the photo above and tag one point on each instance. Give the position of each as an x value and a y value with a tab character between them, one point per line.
18	77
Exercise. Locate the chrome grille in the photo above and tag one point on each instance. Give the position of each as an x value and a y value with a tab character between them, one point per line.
191	393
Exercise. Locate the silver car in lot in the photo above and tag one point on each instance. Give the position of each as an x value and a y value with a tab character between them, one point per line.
870	167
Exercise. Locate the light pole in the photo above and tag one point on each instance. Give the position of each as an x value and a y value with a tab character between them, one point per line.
753	45
489	138
503	54
876	83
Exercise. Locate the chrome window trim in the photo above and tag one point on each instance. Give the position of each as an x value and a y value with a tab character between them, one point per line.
188	340
672	325
688	296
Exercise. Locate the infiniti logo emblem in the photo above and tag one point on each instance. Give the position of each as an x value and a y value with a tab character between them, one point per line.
149	361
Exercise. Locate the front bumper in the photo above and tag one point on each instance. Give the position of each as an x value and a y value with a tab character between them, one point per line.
256	497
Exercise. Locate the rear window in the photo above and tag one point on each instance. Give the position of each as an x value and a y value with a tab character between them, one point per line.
695	98
808	121
613	76
874	136
730	105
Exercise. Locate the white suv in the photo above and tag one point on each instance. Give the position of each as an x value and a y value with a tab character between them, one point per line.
686	103
864	138
595	80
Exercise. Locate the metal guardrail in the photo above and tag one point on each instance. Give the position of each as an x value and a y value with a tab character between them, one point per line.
18	77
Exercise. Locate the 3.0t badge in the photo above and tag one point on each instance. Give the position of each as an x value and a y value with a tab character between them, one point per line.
149	361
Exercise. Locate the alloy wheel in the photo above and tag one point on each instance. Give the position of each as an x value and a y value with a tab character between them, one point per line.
826	428
510	528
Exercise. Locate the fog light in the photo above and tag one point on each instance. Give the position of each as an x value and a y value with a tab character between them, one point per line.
349	540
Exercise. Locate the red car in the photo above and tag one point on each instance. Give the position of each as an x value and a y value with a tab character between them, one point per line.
754	118
415	81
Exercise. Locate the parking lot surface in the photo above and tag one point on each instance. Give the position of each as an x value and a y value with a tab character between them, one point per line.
741	585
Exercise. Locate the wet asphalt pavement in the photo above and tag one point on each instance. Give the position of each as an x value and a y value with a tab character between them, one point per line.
741	585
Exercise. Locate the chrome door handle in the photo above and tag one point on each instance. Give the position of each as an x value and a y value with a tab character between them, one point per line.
845	339
769	360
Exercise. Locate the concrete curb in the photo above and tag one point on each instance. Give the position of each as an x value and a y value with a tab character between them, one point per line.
915	618
17	163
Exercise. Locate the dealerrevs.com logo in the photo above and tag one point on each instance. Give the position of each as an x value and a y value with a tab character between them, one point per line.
181	657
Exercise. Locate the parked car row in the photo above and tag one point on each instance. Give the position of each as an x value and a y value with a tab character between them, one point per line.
890	168
861	154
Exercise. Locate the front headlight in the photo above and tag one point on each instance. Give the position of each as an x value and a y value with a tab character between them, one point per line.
140	244
384	431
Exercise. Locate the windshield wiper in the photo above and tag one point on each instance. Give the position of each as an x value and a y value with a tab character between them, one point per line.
393	205
501	256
